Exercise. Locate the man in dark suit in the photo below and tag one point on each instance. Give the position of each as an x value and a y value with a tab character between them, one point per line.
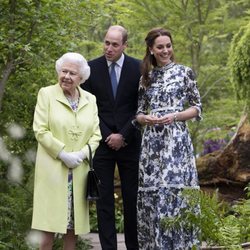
114	81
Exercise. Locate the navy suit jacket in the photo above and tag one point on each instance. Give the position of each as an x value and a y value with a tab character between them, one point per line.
115	114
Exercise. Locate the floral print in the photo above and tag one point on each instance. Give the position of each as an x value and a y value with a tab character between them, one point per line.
70	201
167	164
74	106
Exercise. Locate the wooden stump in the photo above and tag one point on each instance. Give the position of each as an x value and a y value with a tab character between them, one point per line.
229	167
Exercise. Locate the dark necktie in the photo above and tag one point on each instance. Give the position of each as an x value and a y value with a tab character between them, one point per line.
113	78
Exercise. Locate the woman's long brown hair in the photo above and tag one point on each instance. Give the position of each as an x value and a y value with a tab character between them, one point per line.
149	60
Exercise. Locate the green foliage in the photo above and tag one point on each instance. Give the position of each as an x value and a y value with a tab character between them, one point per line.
80	244
15	217
219	224
217	125
15	220
239	63
119	219
93	217
119	222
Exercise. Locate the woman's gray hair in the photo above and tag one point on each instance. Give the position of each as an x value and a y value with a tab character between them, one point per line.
84	69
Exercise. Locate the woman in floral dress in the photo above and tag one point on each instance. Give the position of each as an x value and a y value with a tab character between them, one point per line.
168	97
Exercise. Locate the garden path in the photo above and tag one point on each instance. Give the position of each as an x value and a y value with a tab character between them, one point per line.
93	237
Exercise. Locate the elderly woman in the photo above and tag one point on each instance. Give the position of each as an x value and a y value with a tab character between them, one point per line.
65	121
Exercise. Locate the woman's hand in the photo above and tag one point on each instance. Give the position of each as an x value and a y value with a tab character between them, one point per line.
146	119
154	120
167	119
72	159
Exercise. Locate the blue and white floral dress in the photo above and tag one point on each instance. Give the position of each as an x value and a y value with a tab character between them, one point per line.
167	164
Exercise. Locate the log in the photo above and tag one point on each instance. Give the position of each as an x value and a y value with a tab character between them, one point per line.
231	165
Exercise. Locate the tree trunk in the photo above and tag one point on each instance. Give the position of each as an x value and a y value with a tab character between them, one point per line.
229	167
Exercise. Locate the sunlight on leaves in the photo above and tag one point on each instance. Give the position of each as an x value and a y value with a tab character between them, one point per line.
15	170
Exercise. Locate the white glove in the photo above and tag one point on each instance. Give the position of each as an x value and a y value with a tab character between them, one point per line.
72	159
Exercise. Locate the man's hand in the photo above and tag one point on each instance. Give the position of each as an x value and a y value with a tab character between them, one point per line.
115	141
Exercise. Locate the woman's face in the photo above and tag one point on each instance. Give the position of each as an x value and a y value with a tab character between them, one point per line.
162	50
69	77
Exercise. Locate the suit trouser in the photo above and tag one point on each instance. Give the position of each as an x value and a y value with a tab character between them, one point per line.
105	161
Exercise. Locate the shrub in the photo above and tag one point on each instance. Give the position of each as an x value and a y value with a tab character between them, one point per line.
219	223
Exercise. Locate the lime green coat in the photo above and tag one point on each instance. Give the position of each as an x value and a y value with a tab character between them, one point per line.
57	127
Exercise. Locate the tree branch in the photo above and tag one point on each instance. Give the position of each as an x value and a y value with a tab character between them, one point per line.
8	69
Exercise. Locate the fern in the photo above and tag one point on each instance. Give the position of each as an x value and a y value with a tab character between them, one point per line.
219	224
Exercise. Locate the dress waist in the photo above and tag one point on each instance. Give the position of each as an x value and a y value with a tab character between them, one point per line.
167	186
166	110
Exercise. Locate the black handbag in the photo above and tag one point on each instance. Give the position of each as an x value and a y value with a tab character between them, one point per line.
93	182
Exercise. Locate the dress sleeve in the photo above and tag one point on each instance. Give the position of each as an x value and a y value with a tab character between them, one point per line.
142	100
193	94
142	105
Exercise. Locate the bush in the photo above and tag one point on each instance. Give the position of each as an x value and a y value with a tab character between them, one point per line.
219	223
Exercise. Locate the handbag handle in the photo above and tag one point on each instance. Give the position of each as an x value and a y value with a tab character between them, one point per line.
90	158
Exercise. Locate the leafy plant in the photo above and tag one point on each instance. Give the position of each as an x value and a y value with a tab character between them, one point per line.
82	244
119	219
93	217
15	210
219	224
239	63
